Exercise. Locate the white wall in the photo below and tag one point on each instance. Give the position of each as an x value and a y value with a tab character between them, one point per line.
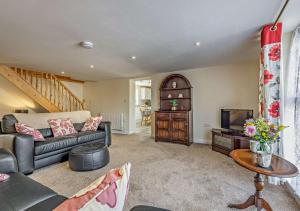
227	86
76	88
110	96
12	97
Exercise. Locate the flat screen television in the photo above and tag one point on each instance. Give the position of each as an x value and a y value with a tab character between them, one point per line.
234	119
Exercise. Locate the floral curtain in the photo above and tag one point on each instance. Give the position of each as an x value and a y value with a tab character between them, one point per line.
270	76
292	107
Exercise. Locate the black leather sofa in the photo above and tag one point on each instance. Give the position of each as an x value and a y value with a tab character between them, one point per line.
20	192
36	154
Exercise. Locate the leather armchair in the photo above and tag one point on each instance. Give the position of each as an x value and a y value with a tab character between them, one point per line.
24	151
106	127
8	163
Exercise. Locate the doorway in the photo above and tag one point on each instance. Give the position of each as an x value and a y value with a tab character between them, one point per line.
143	107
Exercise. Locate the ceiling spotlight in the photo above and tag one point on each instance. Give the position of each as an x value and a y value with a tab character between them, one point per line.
91	66
86	44
197	43
133	57
62	72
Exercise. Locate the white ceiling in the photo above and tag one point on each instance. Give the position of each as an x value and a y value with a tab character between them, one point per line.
43	34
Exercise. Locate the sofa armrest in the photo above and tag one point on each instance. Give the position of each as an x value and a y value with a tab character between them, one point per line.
24	149
106	127
8	163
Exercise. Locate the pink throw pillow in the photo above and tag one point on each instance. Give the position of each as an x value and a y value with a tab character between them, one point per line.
61	127
3	177
92	123
25	129
109	192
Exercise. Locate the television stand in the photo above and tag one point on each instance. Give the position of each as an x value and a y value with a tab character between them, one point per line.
224	140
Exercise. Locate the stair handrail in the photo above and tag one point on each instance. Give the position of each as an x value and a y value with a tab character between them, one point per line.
21	72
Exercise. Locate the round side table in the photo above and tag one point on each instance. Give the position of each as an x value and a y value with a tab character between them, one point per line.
279	168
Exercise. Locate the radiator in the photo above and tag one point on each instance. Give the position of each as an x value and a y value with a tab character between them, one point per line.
116	119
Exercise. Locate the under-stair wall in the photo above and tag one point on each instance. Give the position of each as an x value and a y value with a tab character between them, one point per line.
44	88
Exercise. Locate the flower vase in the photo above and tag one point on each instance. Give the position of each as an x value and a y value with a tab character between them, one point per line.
253	145
264	159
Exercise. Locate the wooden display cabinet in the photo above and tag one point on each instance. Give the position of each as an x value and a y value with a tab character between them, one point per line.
175	126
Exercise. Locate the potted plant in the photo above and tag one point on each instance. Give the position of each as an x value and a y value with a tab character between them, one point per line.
264	135
174	104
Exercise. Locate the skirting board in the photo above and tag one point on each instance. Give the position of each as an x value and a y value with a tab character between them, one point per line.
119	132
201	141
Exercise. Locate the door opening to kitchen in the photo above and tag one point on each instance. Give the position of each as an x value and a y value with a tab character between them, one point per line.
143	107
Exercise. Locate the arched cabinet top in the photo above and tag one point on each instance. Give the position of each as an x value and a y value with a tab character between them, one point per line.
176	88
181	82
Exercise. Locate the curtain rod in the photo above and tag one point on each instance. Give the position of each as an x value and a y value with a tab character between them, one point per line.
279	15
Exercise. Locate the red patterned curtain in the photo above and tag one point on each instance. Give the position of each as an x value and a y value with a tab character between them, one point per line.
270	71
270	77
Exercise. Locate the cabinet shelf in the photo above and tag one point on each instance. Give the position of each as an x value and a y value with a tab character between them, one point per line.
177	98
170	89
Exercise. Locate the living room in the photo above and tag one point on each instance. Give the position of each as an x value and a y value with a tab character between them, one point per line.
70	95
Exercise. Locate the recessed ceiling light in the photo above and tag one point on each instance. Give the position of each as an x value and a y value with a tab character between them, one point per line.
62	72
133	57
91	66
197	43
86	44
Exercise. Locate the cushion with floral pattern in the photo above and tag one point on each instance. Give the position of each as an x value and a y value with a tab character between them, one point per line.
27	130
92	123
108	193
4	177
61	127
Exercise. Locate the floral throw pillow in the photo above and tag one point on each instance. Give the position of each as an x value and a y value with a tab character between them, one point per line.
3	177
25	129
61	127
108	193
92	123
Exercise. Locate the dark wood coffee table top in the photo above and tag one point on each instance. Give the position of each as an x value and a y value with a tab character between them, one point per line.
279	166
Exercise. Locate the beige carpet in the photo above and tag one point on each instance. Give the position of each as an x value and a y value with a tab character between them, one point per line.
171	176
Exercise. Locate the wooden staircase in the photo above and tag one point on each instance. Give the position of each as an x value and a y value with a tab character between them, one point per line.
45	88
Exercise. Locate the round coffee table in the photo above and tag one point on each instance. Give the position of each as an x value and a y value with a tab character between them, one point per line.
279	168
88	157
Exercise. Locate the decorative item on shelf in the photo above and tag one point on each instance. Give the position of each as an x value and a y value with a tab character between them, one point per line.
174	84
264	136
180	95
173	104
169	96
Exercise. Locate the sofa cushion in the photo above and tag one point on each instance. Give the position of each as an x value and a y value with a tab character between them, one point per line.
46	132
52	144
87	136
109	192
92	123
61	127
8	123
27	130
20	192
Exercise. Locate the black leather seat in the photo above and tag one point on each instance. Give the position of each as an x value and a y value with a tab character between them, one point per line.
20	193
53	144
32	155
88	157
87	136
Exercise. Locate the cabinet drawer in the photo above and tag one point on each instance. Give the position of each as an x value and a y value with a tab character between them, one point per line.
162	116
179	115
223	141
